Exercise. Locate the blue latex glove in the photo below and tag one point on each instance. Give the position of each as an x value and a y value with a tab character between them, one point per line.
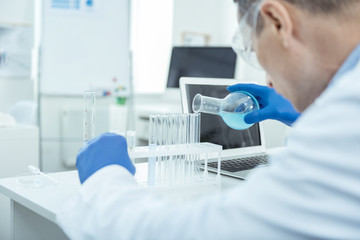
104	150
272	105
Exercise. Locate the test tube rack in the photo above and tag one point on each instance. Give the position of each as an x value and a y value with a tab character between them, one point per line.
199	152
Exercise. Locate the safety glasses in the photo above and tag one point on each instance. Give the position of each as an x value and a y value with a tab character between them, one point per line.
243	40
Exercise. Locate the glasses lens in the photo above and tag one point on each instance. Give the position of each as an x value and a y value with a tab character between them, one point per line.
243	40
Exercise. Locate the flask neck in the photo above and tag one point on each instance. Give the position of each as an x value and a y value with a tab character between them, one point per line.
206	104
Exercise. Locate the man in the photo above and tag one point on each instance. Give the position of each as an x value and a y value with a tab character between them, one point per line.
311	49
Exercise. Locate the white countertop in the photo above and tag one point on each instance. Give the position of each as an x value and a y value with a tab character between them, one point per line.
46	202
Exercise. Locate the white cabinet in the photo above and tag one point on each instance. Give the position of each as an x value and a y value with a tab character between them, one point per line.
19	147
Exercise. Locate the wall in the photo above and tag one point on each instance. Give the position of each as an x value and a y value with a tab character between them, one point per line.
214	17
218	18
14	90
16	11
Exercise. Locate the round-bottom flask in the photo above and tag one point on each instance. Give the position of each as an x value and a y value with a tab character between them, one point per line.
233	108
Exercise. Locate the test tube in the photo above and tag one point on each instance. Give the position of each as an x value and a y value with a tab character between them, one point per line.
89	115
192	141
153	131
182	140
131	141
176	142
163	143
169	142
159	141
197	127
187	167
152	146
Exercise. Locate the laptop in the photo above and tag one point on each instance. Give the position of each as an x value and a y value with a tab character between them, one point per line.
243	150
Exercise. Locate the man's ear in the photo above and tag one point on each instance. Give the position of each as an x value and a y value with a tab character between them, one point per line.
277	17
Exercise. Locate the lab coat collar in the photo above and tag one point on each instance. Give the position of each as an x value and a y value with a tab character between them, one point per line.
348	65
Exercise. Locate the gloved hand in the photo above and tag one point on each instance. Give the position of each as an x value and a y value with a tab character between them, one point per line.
106	149
272	105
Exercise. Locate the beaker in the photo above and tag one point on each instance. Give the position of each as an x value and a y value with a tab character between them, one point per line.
232	108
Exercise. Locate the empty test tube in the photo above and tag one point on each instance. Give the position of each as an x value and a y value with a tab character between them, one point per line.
169	142
131	139
193	132
187	159
182	140
89	115
159	141
197	126
176	142
153	131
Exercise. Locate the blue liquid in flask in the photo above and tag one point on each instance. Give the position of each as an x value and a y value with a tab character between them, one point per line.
235	120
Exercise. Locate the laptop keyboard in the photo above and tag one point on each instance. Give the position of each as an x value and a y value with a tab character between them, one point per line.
241	164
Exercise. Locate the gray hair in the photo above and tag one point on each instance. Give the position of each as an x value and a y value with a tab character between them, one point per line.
312	6
324	7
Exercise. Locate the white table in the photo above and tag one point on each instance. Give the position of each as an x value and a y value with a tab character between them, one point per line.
33	210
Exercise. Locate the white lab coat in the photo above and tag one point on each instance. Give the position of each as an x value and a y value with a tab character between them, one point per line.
310	191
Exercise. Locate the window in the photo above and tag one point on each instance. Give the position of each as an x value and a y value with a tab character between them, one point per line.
151	43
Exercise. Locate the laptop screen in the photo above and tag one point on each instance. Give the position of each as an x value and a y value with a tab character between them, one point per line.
213	128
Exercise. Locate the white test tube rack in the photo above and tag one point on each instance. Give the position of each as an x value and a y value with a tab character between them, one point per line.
202	150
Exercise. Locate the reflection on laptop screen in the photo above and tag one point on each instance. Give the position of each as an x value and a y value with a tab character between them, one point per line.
213	128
